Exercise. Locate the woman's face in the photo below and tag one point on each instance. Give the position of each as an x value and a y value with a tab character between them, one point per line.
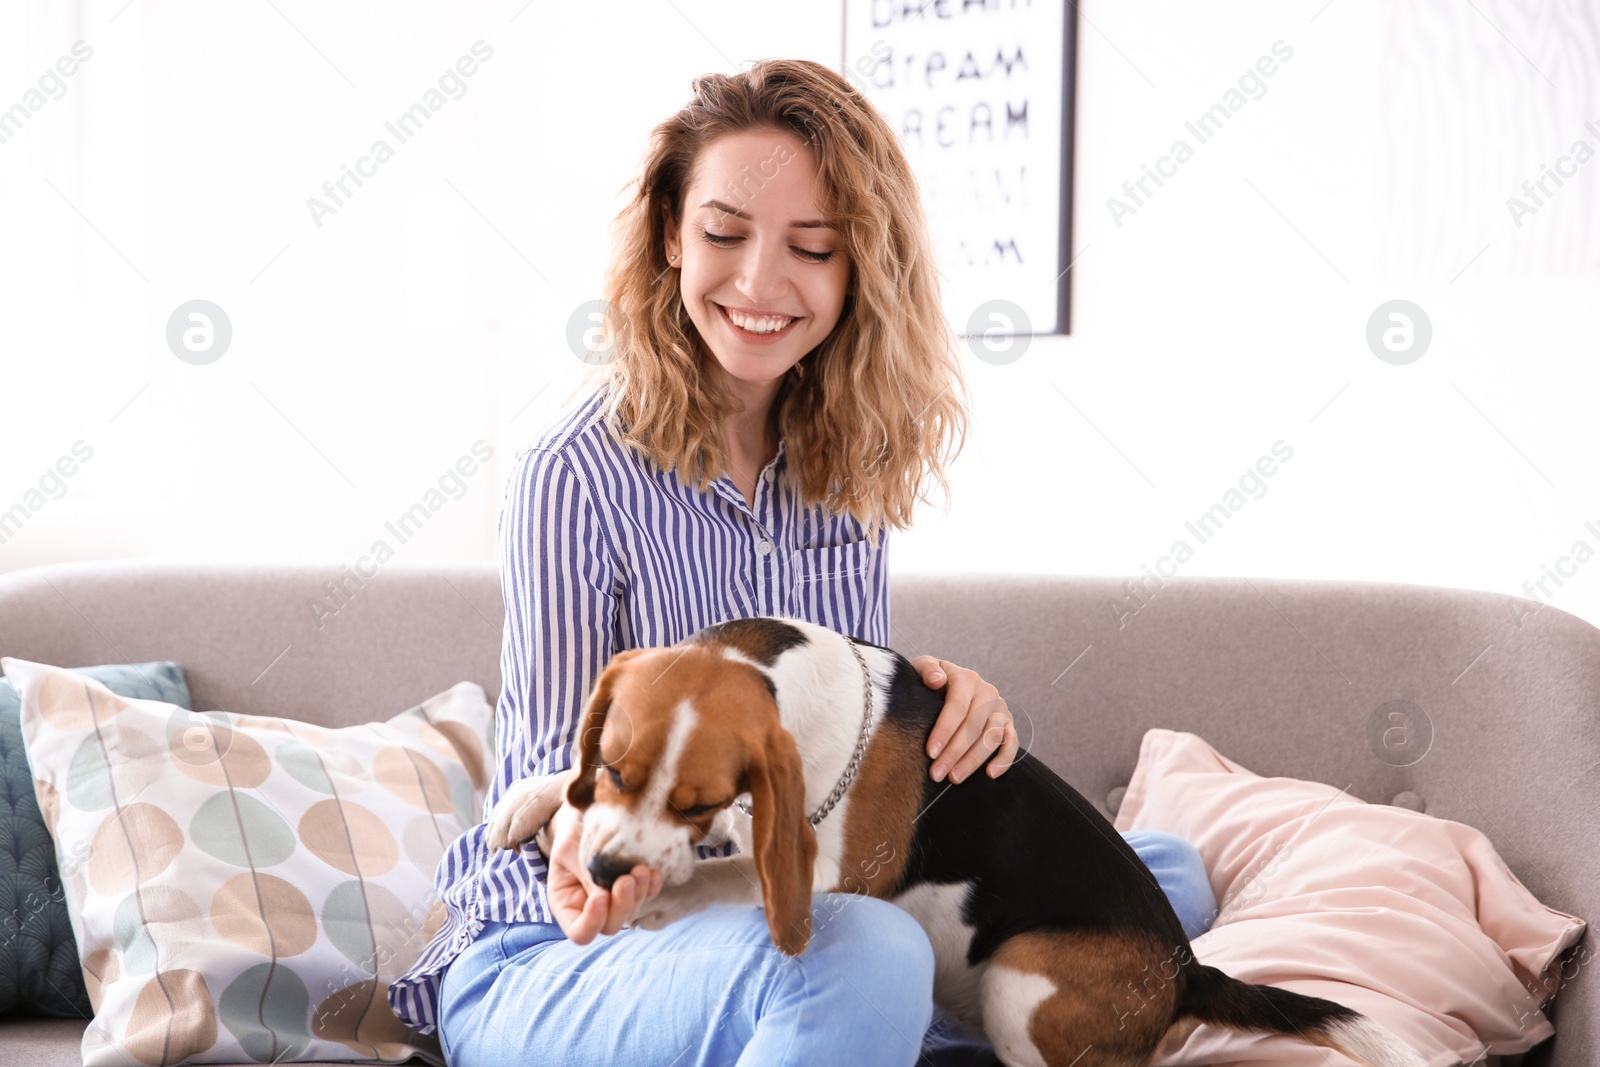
753	242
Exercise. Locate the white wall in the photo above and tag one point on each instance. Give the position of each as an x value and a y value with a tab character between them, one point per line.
429	312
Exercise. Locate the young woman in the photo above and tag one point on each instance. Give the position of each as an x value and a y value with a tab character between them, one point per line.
779	384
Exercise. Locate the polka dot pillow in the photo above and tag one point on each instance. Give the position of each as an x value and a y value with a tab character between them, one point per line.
244	887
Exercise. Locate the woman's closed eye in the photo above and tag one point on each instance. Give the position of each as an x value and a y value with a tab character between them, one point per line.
724	240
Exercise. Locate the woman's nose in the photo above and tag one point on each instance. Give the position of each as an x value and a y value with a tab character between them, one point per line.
763	273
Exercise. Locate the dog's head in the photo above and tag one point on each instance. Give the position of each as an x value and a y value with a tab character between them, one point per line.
669	738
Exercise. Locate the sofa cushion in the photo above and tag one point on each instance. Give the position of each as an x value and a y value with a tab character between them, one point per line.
1412	920
39	971
245	887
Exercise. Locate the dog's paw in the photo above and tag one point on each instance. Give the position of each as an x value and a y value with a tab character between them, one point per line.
525	809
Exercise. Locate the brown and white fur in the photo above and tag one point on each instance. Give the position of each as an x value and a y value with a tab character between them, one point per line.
1050	936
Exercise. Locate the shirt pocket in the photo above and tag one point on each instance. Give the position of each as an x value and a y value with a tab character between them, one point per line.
849	561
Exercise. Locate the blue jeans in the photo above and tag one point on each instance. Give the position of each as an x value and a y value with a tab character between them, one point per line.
711	989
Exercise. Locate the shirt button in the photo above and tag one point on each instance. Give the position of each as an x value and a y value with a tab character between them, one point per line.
769	474
763	547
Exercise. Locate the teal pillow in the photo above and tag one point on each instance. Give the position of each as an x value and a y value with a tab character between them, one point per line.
39	969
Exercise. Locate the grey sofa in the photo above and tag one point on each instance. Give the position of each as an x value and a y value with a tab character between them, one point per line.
1283	676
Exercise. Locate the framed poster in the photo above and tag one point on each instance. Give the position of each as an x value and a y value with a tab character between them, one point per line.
980	93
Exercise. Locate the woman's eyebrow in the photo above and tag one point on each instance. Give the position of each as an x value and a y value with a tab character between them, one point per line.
807	224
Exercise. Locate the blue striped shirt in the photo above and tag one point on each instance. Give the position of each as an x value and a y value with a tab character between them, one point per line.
601	551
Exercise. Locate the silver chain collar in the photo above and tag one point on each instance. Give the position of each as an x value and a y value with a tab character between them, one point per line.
855	757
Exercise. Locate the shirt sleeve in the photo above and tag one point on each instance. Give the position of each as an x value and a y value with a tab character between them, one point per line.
558	576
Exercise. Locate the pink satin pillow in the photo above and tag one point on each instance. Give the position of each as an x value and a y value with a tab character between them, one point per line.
1410	919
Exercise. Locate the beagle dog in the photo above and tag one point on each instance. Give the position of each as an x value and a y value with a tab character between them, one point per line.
1051	938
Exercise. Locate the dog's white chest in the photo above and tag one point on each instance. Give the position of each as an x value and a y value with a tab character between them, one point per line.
956	985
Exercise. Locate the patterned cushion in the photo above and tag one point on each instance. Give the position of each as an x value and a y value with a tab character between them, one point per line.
245	887
39	971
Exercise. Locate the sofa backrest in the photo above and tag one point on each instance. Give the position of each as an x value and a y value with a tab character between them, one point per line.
313	643
1287	677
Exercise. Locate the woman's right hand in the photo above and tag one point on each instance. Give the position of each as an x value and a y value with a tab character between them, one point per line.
582	909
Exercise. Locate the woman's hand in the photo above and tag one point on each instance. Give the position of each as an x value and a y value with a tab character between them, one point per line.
582	909
974	722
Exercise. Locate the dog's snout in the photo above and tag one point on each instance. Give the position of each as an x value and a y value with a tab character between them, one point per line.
607	869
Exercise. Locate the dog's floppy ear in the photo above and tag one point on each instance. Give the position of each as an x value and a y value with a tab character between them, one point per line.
785	846
586	758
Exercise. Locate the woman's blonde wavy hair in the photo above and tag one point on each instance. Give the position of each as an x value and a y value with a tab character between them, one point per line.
870	413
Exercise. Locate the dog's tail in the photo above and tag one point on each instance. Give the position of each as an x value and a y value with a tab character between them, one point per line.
1213	997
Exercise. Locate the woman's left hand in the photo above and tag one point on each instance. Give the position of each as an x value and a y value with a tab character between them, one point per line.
974	722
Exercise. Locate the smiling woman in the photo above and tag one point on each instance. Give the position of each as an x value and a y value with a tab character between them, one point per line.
808	281
762	292
767	414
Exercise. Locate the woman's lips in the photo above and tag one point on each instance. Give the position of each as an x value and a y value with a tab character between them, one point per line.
755	338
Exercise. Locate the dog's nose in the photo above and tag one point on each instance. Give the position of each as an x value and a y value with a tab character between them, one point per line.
606	869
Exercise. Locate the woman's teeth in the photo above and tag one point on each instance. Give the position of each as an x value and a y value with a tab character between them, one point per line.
764	324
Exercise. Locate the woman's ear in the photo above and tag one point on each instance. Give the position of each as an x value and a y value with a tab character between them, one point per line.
785	846
669	230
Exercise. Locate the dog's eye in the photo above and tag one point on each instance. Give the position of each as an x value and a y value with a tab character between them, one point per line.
699	809
616	779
